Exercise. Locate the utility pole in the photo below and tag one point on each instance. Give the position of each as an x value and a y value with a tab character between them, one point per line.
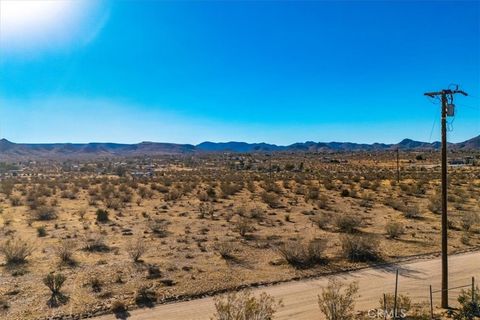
398	165
447	110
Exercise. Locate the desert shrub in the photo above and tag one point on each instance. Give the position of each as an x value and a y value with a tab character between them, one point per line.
303	254
119	307
337	300
313	193
271	199
81	213
395	204
45	213
412	212
469	219
394	229
329	185
345	193
4	305
387	303
257	213
153	271
95	283
205	210
172	195
95	242
102	215
54	282
358	247
271	186
145	296
136	249
353	193
321	220
159	227
41	231
226	250
435	204
65	252
211	192
69	194
229	189
243	226
6	187
16	250
469	305
113	203
145	193
347	223
202	196
15	201
240	211
251	186
245	306
34	201
322	202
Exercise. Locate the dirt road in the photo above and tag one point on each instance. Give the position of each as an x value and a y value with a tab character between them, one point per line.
300	297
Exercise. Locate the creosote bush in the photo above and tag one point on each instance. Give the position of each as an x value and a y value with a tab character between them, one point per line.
136	249
337	300
45	213
394	229
412	212
435	204
303	254
16	250
271	199
469	305
347	223
145	296
159	227
322	220
102	215
41	231
243	226
244	305
65	252
119	307
359	247
404	303
95	242
469	219
226	250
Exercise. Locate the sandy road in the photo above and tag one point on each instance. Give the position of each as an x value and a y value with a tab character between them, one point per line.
300	297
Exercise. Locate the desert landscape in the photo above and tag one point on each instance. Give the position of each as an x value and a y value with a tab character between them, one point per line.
134	232
239	160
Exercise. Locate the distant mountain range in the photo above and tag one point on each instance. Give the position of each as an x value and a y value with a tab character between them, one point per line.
10	151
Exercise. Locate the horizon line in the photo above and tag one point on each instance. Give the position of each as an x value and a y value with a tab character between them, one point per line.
231	141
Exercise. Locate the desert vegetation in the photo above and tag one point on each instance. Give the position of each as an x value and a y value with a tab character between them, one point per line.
114	234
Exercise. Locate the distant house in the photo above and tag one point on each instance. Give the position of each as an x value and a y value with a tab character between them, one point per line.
457	162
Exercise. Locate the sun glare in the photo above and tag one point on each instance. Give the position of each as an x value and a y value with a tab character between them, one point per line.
30	23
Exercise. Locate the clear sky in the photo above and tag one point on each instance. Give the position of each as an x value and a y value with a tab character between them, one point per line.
278	72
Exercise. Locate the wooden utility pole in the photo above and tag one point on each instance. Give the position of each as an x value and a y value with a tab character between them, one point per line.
398	165
447	109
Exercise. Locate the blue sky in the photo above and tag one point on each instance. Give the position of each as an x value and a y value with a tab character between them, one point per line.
279	72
